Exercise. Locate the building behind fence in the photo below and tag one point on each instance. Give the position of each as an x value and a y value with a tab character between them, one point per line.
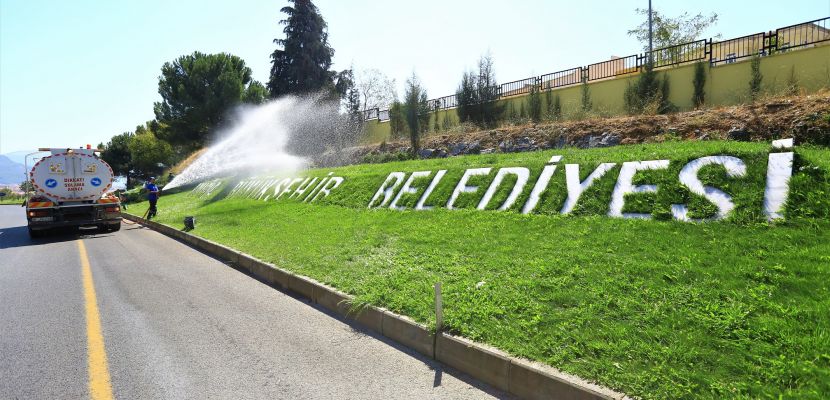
807	34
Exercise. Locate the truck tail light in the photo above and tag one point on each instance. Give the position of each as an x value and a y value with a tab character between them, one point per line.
112	209
38	213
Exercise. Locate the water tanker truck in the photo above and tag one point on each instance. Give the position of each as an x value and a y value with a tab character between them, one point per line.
70	189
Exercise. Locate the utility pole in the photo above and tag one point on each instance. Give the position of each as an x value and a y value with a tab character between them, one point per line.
650	33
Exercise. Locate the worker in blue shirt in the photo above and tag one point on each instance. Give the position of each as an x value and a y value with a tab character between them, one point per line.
152	197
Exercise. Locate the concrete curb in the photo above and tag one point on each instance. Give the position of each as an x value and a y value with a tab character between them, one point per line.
522	378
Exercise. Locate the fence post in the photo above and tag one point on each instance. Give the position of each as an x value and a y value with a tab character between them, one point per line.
711	51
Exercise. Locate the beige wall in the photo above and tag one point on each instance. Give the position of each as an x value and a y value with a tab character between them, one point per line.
726	84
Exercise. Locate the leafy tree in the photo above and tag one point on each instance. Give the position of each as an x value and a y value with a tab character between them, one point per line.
669	31
148	154
27	186
376	90
699	83
197	90
755	80
302	65
416	111
477	96
117	154
255	93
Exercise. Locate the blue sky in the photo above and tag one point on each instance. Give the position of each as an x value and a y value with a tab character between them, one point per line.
78	72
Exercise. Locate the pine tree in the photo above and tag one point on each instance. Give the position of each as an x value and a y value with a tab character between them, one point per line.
478	95
416	111
302	65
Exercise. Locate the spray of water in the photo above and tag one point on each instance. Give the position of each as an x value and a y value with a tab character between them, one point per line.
280	136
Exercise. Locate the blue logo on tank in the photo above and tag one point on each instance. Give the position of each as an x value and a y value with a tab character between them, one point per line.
95	181
50	183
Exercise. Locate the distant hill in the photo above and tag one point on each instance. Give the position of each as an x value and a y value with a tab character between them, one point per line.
11	172
18	156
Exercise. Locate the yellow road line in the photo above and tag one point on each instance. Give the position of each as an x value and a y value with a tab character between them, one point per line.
99	374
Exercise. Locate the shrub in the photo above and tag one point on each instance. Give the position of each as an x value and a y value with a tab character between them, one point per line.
446	124
534	104
587	104
755	80
649	94
699	82
792	83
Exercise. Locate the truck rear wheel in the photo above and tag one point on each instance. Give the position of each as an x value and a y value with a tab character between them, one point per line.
115	227
34	234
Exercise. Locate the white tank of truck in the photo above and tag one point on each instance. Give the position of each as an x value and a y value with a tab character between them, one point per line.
69	175
70	189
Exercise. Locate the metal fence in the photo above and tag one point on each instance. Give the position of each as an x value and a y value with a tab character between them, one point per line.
516	88
802	35
732	50
562	78
612	68
807	34
443	103
680	54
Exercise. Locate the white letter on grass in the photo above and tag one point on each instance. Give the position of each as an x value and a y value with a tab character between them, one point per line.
779	171
303	187
624	186
408	189
538	188
288	187
332	184
688	177
430	188
576	188
522	175
386	190
462	184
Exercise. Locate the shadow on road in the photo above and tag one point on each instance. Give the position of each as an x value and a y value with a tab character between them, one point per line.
436	366
18	236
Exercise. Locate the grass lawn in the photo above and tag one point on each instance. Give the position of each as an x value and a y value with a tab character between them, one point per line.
657	309
7	200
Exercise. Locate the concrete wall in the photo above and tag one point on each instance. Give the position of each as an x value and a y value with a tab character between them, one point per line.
726	84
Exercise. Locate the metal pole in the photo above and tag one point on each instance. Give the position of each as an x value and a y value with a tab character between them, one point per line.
650	33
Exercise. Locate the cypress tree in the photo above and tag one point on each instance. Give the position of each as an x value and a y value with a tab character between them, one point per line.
302	64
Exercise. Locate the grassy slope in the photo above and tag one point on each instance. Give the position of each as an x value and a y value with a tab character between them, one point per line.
658	309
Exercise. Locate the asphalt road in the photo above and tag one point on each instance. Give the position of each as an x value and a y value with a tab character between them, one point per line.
179	324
